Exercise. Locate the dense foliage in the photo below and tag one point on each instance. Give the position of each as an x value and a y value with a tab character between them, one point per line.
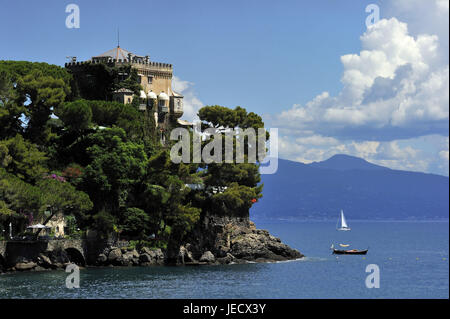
98	81
65	148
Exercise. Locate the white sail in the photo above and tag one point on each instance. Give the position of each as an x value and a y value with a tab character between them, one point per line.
343	222
344	225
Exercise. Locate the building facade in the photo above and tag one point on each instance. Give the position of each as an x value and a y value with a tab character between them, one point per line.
155	79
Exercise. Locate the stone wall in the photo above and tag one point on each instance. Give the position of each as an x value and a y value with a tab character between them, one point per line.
2	255
2	247
54	254
30	251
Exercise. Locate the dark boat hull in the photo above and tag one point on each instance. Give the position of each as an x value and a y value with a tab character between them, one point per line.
350	252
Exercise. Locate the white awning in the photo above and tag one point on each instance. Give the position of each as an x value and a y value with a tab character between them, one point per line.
38	226
183	122
163	96
151	95
143	95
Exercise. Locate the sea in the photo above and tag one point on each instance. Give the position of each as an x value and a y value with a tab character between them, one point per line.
406	259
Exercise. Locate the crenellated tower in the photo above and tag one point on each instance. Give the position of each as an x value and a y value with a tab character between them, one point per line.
154	77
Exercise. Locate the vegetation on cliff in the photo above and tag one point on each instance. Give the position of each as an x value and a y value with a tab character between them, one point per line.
65	148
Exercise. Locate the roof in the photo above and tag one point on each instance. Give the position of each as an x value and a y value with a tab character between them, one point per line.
183	122
152	95
123	90
176	94
163	96
38	226
117	53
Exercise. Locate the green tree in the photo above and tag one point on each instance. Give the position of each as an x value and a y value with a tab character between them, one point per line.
10	111
22	158
38	88
62	197
76	116
114	166
232	187
167	198
17	197
44	93
135	222
98	81
104	223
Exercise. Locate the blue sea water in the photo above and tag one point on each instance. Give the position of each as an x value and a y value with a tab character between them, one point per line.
412	258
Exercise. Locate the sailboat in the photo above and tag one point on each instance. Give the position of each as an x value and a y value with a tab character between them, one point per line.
344	226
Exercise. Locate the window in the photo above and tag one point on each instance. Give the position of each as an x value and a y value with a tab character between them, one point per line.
150	79
178	105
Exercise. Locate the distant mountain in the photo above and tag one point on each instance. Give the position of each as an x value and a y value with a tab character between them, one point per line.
365	191
346	162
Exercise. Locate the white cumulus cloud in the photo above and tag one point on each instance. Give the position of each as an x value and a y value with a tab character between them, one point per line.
393	109
394	87
191	103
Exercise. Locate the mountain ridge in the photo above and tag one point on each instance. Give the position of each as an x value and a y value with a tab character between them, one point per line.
346	162
363	189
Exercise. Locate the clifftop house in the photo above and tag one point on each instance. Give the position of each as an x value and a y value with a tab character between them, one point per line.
154	77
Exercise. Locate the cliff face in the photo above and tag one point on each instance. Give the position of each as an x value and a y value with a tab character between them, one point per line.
215	240
57	254
224	240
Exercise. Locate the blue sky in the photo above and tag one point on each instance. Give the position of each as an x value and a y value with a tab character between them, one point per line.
234	51
276	59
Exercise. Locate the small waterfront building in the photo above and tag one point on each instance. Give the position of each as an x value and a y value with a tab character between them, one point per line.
55	226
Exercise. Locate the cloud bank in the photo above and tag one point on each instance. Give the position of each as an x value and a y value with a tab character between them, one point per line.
393	109
394	88
191	103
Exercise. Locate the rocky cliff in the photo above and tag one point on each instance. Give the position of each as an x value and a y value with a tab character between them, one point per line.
224	240
215	240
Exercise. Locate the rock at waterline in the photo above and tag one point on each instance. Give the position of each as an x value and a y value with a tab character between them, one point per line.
115	254
25	266
184	255
208	257
101	258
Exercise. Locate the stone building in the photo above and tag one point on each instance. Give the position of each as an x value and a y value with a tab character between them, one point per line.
58	225
154	77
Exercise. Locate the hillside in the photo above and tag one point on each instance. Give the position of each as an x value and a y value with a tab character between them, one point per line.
364	190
